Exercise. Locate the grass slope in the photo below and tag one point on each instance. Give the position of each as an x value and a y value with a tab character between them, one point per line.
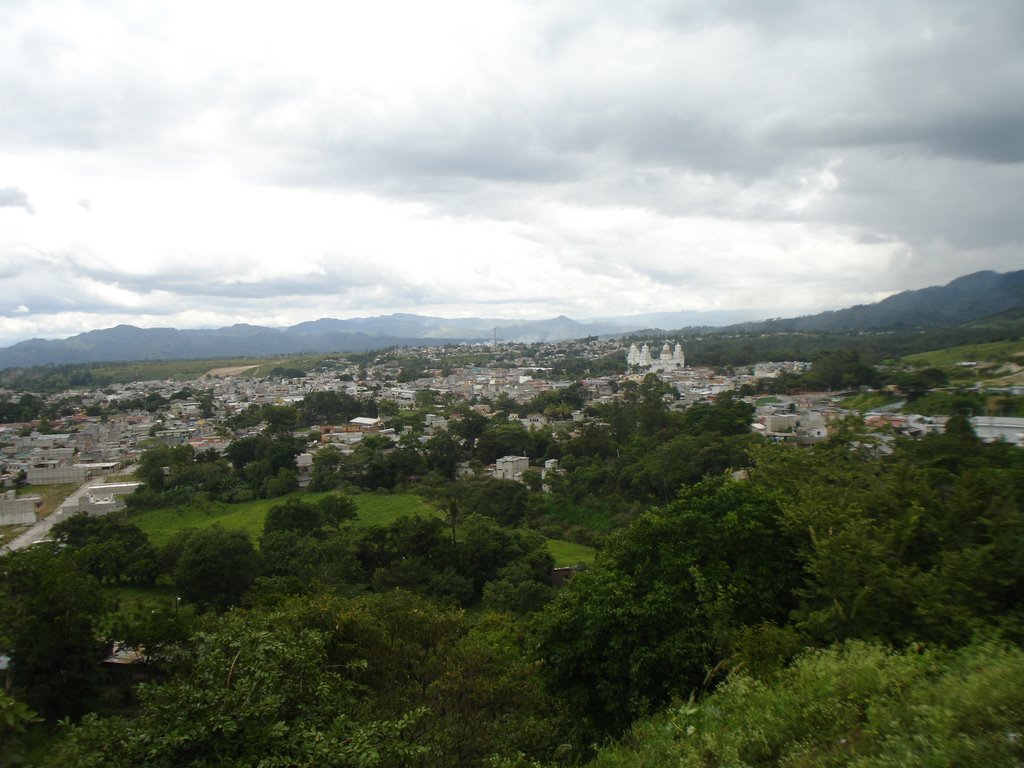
567	553
992	352
374	509
161	524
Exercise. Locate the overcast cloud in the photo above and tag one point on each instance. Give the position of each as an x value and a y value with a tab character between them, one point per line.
196	164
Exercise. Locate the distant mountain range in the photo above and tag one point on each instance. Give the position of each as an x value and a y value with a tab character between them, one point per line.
965	299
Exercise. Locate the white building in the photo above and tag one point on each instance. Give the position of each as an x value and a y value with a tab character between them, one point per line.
995	428
100	499
670	359
511	467
19	511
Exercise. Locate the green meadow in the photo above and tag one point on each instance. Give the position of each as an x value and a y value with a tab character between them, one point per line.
373	509
567	553
992	352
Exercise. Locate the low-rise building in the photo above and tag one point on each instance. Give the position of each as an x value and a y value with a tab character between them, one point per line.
511	467
15	510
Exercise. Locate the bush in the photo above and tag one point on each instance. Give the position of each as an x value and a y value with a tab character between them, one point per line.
853	704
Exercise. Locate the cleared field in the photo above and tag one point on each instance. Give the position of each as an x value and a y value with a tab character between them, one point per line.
870	401
235	371
566	553
993	352
161	524
147	370
381	509
53	495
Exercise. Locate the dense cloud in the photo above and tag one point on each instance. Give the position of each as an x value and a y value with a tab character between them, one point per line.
12	197
195	164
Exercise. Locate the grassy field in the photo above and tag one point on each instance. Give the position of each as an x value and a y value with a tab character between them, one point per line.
53	495
149	370
10	532
161	524
374	509
566	553
993	352
381	509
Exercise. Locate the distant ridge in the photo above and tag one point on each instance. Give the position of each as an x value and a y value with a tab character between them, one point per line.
964	300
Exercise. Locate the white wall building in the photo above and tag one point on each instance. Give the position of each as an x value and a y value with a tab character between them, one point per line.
994	428
511	467
101	499
19	511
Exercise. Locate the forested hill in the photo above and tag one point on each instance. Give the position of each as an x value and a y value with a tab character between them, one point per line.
964	300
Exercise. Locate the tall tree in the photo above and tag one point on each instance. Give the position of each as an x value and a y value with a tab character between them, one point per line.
48	614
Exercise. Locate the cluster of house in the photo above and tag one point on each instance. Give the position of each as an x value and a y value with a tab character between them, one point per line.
91	446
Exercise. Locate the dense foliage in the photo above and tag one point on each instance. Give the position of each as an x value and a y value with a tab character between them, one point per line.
387	680
854	704
750	603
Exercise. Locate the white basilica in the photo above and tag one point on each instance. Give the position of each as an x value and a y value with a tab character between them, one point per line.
670	359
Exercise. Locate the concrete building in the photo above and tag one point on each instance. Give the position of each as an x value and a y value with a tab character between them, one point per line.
100	499
52	475
511	467
366	423
991	429
19	511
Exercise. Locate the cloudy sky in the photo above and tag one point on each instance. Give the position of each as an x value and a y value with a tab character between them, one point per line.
197	163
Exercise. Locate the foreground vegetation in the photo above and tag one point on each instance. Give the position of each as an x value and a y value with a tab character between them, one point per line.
853	704
839	606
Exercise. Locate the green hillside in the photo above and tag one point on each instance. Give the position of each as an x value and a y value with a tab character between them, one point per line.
996	352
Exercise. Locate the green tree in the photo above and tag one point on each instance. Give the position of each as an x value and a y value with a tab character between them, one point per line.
253	691
501	500
667	600
48	628
215	567
293	515
15	720
159	462
443	454
335	509
517	589
108	548
478	692
328	469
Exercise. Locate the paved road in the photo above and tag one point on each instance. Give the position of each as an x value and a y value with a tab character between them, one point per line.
41	529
